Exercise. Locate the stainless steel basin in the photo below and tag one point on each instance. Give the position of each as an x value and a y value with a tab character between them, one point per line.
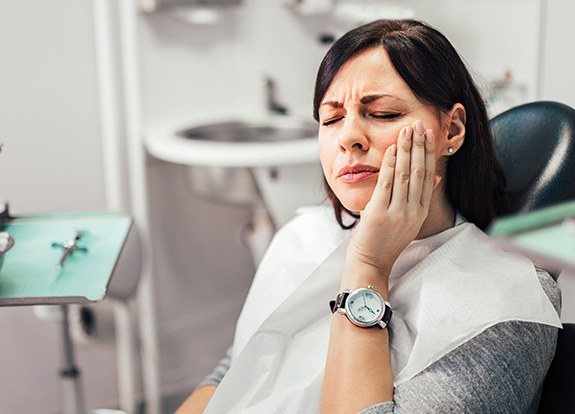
244	131
236	185
228	185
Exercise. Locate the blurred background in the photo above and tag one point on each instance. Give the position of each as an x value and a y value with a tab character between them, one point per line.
195	117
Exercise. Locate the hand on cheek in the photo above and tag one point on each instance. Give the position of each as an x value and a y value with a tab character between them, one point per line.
400	201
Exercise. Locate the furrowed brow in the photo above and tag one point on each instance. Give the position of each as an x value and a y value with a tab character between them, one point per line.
371	98
334	104
364	100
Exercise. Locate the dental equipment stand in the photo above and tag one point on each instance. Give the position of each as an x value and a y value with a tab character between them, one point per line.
70	380
29	268
71	390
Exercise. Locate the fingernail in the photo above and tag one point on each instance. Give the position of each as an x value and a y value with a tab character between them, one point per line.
429	136
438	179
408	133
419	127
393	150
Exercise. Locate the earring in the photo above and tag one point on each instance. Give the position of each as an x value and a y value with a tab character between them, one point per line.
450	150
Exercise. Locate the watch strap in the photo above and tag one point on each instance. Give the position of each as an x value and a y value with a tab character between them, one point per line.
339	301
387	313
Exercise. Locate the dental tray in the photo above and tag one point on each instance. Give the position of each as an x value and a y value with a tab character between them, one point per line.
546	235
30	275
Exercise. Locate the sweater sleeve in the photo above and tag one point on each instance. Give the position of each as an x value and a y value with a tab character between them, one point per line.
217	374
501	370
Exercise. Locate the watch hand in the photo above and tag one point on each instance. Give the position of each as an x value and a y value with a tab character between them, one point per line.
363	296
370	310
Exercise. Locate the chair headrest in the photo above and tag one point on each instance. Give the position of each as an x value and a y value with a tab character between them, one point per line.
535	144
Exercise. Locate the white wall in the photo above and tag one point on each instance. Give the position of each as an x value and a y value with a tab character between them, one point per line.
558	80
48	116
50	162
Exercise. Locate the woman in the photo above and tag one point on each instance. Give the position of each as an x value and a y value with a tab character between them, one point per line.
406	150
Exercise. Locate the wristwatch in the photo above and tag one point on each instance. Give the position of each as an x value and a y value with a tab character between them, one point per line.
364	307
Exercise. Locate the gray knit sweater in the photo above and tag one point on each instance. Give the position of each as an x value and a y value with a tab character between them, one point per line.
500	370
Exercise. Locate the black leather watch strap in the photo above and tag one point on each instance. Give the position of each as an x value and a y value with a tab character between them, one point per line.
338	302
386	314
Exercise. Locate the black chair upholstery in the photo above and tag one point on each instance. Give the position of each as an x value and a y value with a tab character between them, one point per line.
535	144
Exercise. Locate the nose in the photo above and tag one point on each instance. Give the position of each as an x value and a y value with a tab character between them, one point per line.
352	135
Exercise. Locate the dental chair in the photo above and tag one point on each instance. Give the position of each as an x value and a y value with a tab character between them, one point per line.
535	144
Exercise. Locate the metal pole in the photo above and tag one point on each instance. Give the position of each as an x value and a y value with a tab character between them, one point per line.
125	356
71	389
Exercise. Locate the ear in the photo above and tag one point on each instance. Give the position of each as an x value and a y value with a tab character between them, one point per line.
455	129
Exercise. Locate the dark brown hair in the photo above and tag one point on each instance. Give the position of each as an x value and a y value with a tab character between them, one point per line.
437	76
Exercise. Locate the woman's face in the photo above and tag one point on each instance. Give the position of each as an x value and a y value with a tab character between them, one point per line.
361	115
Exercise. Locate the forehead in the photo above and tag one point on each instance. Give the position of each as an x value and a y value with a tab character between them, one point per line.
370	71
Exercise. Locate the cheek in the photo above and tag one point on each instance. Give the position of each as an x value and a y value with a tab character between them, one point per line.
384	135
378	147
326	156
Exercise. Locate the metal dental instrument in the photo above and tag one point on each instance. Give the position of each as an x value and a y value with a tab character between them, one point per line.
69	246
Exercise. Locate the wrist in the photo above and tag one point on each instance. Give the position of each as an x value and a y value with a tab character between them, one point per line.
381	264
357	274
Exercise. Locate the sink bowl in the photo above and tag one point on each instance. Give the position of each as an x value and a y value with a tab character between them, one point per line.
243	160
235	141
250	131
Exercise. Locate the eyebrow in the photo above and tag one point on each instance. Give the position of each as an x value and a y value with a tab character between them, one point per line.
364	100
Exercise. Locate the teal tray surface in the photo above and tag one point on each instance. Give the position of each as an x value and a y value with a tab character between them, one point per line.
547	234
29	275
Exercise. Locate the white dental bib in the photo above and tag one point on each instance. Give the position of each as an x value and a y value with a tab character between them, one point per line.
444	290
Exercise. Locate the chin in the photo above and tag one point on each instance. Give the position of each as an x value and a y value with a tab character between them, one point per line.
355	200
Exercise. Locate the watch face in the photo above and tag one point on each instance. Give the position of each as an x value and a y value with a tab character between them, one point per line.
365	307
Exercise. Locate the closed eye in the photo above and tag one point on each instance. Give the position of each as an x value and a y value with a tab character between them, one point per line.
386	115
330	121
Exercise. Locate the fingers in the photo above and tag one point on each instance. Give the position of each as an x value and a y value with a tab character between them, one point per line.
414	178
402	162
418	164
429	181
384	184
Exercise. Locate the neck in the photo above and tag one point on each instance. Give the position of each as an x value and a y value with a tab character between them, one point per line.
441	215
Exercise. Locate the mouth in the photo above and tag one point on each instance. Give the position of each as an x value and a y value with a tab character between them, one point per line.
356	177
355	174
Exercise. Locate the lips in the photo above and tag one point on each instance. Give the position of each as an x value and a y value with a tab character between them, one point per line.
356	173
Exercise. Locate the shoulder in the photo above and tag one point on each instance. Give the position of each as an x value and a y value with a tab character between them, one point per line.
500	370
